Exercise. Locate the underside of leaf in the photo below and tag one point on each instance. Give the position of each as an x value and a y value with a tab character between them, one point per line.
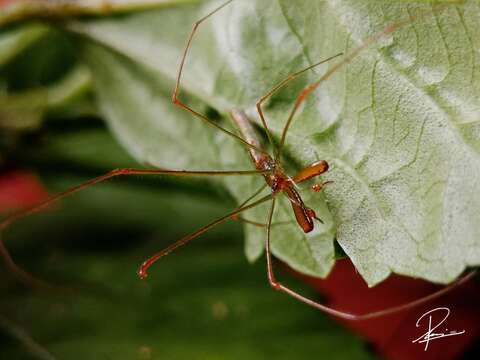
399	124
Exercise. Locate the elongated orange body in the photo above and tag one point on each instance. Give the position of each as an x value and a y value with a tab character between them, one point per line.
276	179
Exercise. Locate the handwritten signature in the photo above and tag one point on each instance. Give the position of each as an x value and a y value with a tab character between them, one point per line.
430	334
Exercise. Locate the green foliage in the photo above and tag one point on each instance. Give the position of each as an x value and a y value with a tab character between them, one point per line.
203	302
399	124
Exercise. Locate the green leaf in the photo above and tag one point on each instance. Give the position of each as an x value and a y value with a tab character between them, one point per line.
15	41
26	109
399	125
38	74
127	92
13	11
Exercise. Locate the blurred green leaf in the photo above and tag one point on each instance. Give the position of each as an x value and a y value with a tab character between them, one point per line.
80	147
42	63
399	125
15	41
14	11
26	109
193	308
39	74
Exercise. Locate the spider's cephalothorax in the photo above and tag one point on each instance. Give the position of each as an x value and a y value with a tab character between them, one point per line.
275	177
